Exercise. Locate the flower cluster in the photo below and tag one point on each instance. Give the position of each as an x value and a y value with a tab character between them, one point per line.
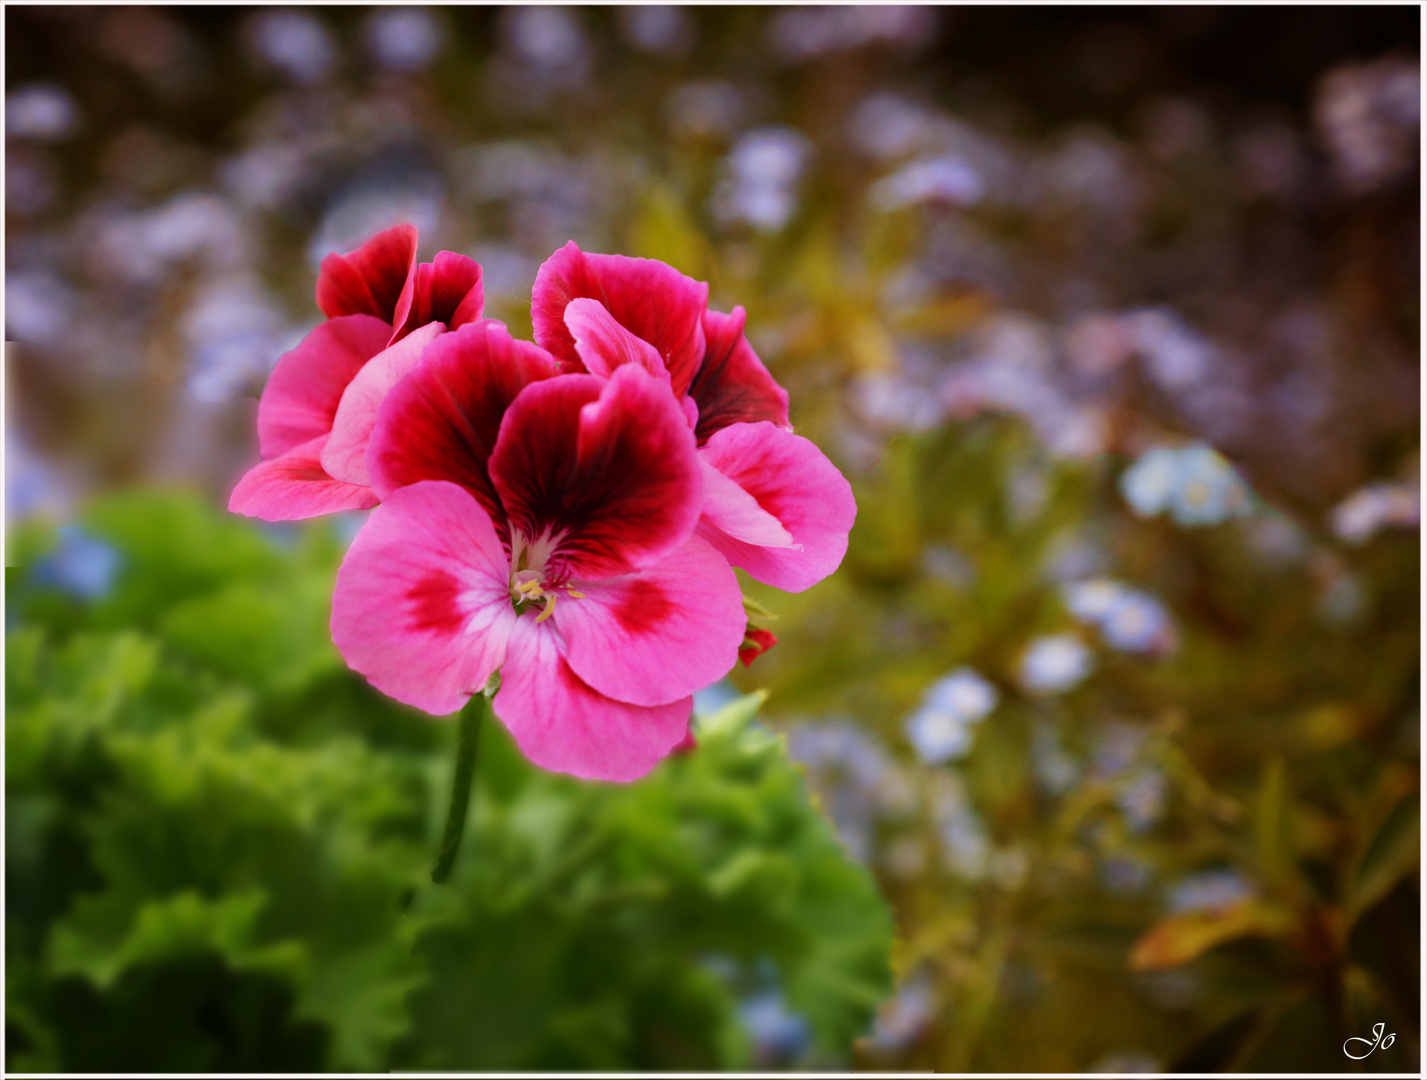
566	513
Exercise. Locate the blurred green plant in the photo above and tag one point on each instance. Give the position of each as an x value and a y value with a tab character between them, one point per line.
217	833
1217	839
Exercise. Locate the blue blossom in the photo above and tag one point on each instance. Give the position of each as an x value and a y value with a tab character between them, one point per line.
80	565
1138	623
760	174
941	728
779	1035
1194	484
1055	663
1128	619
1148	484
1211	890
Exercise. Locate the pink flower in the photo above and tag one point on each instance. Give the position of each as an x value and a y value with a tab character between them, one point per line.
774	505
319	406
540	525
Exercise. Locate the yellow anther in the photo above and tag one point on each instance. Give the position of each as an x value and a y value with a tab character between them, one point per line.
576	595
550	599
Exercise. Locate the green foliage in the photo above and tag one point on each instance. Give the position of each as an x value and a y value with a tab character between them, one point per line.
1278	745
217	833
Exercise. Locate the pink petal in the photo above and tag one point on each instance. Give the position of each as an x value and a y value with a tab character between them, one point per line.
422	605
604	345
656	636
376	279
561	724
345	455
650	299
792	480
294	486
735	513
608	466
732	386
447	291
306	384
441	421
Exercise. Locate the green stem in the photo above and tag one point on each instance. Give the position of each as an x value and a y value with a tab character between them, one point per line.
470	729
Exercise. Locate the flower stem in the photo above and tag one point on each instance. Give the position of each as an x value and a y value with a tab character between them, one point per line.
470	729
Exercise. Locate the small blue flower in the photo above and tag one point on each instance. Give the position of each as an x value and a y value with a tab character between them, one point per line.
1055	663
1194	484
1138	623
1212	890
779	1035
941	728
1148	485
80	565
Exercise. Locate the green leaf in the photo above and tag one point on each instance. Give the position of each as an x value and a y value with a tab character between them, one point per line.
1394	852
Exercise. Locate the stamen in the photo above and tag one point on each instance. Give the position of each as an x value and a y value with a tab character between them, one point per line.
550	599
576	595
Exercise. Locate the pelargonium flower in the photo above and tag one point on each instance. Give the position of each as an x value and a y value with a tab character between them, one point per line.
541	525
317	411
773	504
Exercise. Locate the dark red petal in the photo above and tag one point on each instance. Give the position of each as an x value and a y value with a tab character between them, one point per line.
306	385
376	279
756	642
648	298
732	386
441	421
609	465
448	290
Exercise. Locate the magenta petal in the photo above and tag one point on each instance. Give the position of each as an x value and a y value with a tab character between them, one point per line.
306	384
441	421
732	386
656	636
448	290
561	724
345	455
422	605
735	513
295	486
604	345
608	468
650	299
792	480
377	279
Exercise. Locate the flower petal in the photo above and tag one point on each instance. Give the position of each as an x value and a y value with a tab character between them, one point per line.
306	384
376	279
648	298
604	345
441	421
657	635
345	455
561	724
422	605
732	386
792	480
294	485
606	466
735	513
448	291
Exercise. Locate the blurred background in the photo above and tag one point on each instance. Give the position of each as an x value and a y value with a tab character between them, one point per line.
1105	737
